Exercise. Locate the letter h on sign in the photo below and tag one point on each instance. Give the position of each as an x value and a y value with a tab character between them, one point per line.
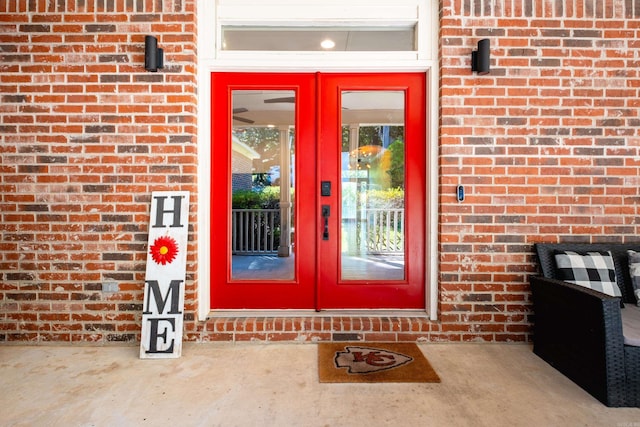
162	316
175	212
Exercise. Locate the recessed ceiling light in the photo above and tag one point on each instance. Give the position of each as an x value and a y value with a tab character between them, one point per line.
328	44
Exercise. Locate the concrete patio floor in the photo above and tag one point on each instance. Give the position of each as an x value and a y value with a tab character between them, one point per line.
258	384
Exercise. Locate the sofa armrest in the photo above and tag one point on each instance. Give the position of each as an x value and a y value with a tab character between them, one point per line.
579	332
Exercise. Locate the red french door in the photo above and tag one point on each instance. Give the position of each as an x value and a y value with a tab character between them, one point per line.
263	216
318	191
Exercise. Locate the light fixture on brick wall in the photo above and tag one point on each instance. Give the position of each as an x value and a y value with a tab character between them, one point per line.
480	59
153	56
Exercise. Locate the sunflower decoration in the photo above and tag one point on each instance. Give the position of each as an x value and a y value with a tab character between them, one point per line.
164	250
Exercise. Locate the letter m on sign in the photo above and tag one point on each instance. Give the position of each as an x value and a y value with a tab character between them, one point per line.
162	316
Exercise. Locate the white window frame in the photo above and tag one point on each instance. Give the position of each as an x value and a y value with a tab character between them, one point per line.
213	15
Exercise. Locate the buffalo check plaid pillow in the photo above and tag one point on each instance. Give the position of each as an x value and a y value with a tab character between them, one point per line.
594	270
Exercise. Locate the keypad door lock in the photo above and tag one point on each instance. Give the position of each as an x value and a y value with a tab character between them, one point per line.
325	188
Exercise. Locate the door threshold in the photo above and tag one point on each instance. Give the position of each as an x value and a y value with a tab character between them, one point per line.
215	314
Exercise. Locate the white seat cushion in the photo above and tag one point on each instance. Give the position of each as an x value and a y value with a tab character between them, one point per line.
631	325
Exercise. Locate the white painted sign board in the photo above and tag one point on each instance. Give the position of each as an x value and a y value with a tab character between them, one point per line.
164	287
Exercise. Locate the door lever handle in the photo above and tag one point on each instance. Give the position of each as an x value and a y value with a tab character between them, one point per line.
326	211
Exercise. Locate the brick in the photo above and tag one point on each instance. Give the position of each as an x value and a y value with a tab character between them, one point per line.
97	188
381	337
213	337
34	28
540	143
346	337
100	28
100	129
121	338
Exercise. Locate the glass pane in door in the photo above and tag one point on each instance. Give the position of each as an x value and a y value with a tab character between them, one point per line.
263	182
372	186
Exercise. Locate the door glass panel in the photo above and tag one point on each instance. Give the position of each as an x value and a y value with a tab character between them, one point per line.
262	185
372	186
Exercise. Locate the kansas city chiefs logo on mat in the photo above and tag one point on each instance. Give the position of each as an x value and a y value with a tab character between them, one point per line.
365	360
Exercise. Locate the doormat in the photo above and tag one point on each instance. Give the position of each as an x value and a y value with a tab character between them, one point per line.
362	362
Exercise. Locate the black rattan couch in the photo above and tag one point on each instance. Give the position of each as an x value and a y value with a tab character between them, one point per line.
579	331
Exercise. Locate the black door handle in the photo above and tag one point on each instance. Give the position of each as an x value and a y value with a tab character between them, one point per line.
326	211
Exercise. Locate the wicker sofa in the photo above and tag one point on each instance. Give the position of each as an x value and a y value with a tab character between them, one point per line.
579	331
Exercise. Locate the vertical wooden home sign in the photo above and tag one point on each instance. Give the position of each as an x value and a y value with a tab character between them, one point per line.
164	287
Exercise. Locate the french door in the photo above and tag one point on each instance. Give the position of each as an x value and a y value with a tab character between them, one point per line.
318	191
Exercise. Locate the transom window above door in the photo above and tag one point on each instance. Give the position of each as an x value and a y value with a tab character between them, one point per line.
362	35
352	39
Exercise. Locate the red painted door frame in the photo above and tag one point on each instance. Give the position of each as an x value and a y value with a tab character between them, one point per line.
317	284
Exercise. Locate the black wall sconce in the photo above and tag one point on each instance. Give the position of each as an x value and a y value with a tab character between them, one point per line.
481	58
153	56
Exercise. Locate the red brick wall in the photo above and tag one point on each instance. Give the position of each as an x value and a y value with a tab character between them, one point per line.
86	135
547	147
